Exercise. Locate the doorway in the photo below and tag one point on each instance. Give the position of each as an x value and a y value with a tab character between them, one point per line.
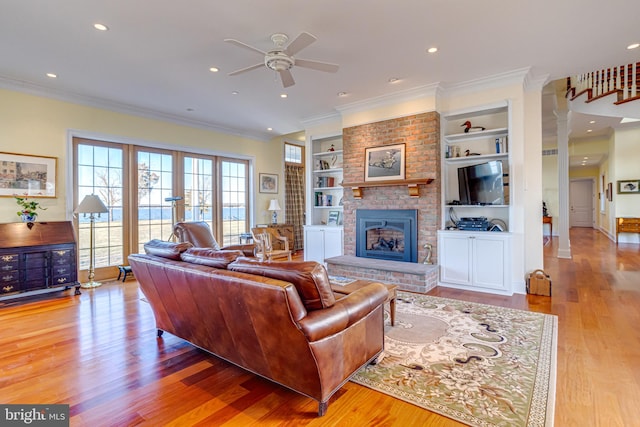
581	203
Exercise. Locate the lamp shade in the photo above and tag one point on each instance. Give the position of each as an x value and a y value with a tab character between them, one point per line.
91	204
274	205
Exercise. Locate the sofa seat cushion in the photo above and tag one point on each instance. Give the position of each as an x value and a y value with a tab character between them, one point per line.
171	250
210	257
309	277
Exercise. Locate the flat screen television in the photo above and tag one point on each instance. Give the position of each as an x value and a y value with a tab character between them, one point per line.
481	184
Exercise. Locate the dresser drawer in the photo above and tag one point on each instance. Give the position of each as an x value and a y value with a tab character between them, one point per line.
62	280
62	256
9	262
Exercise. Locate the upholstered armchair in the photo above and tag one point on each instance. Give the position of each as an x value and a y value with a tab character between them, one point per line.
264	239
199	234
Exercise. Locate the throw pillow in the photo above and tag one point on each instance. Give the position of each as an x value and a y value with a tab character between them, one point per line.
210	257
164	249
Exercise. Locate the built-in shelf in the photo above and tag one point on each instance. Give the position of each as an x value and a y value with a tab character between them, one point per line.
412	185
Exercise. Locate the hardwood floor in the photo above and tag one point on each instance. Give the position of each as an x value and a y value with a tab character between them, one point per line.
98	353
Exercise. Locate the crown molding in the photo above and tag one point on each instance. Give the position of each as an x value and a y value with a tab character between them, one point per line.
394	98
89	101
321	119
485	83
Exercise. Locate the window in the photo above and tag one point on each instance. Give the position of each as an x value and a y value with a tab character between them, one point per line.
147	195
292	153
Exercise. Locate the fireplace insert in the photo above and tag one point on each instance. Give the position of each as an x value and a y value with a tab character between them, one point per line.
389	234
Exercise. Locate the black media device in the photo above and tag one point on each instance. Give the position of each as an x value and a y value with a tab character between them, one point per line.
481	184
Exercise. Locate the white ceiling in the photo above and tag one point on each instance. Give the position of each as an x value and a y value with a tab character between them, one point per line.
155	58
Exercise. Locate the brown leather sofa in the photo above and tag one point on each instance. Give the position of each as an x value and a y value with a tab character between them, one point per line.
279	320
199	235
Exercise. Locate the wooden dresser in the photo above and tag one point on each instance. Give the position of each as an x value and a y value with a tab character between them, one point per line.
627	225
37	256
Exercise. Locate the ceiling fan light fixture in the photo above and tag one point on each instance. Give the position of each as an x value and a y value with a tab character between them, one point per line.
633	46
278	61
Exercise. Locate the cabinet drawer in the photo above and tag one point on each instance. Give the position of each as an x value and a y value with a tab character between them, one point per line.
9	262
9	287
629	228
9	276
62	256
61	270
62	280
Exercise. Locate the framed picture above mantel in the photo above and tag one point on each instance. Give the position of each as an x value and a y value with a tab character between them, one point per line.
27	175
384	163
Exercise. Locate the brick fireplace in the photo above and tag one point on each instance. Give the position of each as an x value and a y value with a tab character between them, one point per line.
421	135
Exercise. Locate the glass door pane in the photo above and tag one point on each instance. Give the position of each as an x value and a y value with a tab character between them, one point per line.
100	171
155	185
198	190
234	191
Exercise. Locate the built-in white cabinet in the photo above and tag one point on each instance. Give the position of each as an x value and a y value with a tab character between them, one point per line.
477	261
321	242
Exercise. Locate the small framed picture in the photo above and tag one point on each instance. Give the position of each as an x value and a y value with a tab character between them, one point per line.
334	218
268	183
629	186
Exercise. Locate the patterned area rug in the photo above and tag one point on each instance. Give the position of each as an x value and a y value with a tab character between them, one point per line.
481	365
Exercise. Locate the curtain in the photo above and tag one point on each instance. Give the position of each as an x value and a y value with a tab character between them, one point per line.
294	202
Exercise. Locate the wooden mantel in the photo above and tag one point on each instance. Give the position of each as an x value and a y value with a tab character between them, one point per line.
412	185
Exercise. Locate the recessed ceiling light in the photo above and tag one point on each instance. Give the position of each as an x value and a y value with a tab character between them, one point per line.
589	130
586	158
283	95
592	121
214	69
633	46
100	27
52	75
269	129
342	94
432	50
235	92
393	80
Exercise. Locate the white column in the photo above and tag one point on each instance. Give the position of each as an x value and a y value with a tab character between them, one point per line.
564	245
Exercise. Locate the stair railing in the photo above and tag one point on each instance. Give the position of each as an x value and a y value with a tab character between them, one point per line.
624	80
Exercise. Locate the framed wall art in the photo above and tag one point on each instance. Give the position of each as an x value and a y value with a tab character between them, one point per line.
629	186
268	183
27	175
384	163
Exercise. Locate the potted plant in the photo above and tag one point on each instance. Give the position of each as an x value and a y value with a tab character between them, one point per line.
28	209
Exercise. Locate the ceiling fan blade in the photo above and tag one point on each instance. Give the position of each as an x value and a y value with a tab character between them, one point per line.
287	78
317	65
242	70
300	42
246	46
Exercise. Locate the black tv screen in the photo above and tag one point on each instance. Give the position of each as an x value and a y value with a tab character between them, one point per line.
481	184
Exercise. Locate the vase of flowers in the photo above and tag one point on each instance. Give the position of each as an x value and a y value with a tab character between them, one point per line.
28	209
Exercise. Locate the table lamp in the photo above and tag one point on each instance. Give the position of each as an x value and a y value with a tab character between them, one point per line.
274	206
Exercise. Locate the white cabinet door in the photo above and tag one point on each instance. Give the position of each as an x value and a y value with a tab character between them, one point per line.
332	242
455	259
489	264
314	244
475	260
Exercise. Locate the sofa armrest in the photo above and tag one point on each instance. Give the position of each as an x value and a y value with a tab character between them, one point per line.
319	324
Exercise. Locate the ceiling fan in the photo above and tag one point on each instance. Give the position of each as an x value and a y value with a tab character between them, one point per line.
281	59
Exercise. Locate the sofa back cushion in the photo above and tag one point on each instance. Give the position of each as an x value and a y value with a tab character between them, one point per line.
164	249
309	277
210	257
